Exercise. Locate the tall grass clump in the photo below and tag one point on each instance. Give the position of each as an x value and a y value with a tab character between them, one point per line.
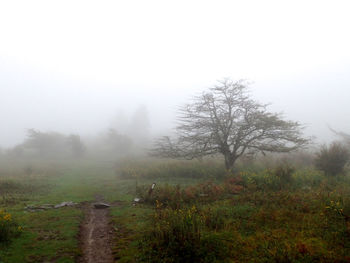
269	179
15	189
179	236
170	169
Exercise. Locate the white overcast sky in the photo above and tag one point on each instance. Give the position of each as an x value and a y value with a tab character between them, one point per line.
70	66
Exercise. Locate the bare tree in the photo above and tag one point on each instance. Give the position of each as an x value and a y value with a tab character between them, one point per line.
225	120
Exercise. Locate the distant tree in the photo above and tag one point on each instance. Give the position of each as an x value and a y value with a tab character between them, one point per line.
332	160
45	143
77	146
120	122
139	125
117	142
225	120
15	152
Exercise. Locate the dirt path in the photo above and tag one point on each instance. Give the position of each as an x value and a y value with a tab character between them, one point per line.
96	236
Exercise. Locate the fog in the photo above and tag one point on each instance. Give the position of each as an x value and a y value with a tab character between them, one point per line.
82	67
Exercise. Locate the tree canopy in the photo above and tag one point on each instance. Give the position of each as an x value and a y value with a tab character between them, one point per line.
226	120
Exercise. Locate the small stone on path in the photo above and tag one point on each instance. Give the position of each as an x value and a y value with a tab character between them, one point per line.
69	203
101	205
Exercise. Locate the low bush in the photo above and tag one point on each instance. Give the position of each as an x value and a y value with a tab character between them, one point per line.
175	197
332	160
285	173
268	180
168	195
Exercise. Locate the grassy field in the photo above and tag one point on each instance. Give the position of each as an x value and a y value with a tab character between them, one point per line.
197	212
51	235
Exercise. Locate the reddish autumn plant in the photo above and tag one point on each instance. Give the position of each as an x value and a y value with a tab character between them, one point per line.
234	185
174	196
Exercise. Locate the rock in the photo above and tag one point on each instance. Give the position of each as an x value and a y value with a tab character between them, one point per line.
33	208
101	205
36	208
47	205
136	200
69	203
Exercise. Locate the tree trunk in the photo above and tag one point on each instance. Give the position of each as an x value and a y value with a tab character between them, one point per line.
229	162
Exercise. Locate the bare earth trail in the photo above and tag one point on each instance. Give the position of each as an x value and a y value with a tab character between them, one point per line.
96	235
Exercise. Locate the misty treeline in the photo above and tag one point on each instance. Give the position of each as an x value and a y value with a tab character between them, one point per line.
221	122
123	136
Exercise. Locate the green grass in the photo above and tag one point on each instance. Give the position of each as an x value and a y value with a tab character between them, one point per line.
47	236
270	220
52	235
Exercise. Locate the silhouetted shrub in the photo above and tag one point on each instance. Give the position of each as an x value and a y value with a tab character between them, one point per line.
331	160
284	172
